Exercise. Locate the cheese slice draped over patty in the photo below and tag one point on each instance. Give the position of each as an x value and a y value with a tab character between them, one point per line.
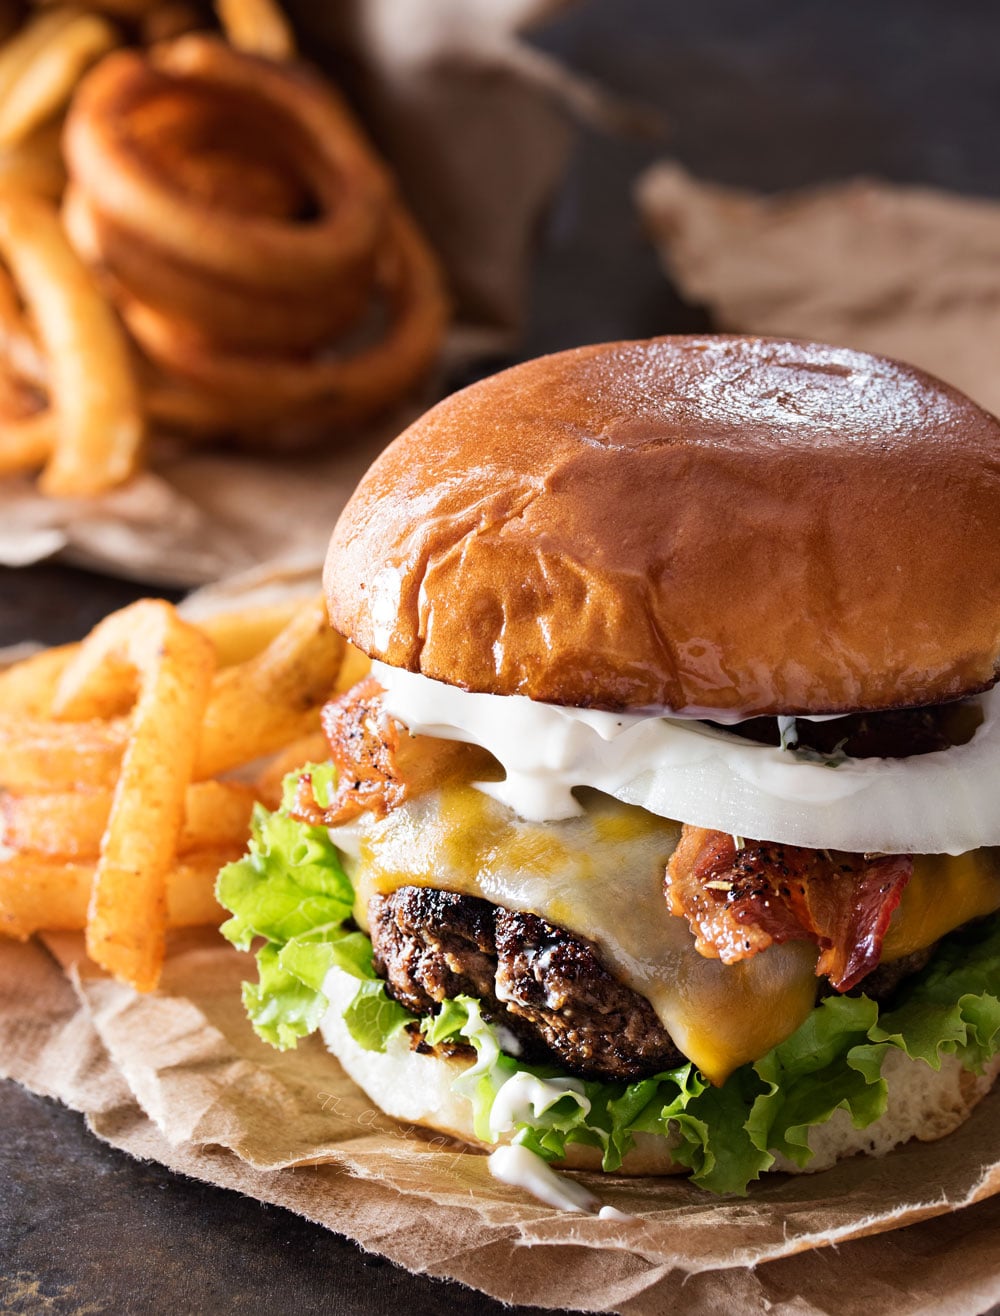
600	875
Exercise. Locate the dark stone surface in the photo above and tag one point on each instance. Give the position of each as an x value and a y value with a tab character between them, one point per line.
773	94
85	1228
52	603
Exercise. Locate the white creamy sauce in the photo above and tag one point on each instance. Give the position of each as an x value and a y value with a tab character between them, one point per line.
786	730
521	1168
944	802
524	1099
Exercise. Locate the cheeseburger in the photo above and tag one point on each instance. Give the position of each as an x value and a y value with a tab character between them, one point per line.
660	834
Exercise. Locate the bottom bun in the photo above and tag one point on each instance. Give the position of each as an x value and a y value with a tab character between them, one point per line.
924	1103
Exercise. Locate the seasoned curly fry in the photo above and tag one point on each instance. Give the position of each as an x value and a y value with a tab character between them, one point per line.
125	930
259	707
39	893
99	743
241	635
307	749
71	824
41	65
37	754
29	686
92	390
258	27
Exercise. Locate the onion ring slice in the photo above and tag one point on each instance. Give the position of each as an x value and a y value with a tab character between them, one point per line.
938	803
202	307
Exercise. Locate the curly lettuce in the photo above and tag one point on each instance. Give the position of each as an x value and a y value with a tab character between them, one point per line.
292	897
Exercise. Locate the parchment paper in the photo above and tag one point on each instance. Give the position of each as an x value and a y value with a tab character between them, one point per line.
179	1077
910	272
477	127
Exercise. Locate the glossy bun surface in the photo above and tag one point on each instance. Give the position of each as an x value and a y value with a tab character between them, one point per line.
738	525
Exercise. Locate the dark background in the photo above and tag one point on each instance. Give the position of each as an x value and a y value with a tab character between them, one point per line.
768	93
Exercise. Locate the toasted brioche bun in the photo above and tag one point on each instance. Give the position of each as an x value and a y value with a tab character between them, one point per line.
739	524
924	1103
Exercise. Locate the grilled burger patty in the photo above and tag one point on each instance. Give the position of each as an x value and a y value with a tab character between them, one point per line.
546	986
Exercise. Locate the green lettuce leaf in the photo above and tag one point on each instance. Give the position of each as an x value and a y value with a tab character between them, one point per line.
953	1009
281	1007
291	892
812	1073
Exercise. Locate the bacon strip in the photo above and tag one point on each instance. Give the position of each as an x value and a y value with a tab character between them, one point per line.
740	901
379	764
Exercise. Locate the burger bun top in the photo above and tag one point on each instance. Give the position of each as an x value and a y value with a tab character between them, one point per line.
728	525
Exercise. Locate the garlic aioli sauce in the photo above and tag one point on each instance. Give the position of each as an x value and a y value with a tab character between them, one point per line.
942	802
521	1168
524	1097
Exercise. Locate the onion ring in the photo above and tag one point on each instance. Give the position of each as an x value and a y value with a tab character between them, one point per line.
203	307
288	111
252	243
324	391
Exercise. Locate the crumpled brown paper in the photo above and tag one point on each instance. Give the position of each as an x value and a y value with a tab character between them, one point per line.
179	1077
910	272
471	120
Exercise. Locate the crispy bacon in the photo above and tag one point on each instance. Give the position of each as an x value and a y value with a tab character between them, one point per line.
379	765
739	901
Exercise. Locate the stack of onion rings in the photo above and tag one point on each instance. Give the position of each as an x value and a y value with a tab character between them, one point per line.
251	241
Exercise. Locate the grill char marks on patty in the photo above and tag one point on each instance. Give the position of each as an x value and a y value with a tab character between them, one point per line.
431	945
545	985
591	1021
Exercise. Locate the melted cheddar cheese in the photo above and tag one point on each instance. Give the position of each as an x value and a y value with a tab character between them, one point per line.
600	876
944	892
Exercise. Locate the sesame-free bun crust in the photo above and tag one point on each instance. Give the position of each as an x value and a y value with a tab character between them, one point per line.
924	1103
744	525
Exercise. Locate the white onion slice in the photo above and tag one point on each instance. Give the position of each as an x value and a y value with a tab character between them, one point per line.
945	802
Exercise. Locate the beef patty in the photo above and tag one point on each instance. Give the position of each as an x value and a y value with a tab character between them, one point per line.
547	987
